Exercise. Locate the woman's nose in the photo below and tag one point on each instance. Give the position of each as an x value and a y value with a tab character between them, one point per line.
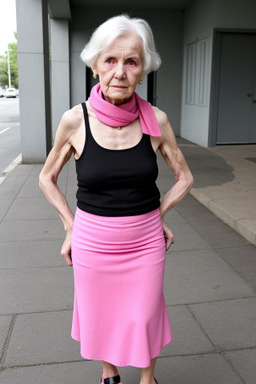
120	71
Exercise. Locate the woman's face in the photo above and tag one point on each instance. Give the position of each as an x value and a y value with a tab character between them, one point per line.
120	68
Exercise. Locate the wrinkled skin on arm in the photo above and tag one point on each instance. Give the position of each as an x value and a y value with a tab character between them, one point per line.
66	143
167	145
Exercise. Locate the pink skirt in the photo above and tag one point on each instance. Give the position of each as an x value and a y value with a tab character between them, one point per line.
120	314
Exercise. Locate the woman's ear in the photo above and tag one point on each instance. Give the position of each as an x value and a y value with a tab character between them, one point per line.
94	71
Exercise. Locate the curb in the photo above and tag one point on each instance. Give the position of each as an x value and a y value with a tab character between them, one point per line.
245	227
10	168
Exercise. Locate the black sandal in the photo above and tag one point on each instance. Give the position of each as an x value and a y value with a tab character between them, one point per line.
111	380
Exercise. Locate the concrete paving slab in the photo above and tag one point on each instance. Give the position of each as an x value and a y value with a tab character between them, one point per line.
164	170
243	182
209	169
31	186
213	225
30	191
201	276
66	373
233	189
188	337
165	185
9	191
4	206
36	289
242	260
218	234
204	369
22	169
71	189
173	217
242	166
199	369
244	170
186	238
31	230
229	324
31	208
240	151
18	176
42	338
230	195
244	363
72	202
226	210
29	254
193	211
247	228
5	322
8	164
210	227
71	168
239	208
34	170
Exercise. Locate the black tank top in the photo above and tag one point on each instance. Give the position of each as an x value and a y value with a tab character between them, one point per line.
116	182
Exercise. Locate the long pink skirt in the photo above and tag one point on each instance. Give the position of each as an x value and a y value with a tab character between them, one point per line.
120	315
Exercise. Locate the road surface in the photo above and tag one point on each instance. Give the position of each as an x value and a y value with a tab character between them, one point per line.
10	146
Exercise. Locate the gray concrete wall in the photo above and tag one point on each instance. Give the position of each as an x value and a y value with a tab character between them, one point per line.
33	61
60	70
167	27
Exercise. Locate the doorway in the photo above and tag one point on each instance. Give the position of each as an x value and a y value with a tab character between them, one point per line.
235	88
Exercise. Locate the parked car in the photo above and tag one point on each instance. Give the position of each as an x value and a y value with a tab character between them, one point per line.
10	92
1	92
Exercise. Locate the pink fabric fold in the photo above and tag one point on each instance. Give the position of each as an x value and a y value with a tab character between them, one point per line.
124	114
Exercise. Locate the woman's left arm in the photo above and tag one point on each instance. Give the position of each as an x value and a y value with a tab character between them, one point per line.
177	163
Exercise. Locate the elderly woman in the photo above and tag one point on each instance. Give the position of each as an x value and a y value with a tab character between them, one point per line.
118	236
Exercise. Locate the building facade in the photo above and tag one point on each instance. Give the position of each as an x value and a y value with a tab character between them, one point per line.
206	83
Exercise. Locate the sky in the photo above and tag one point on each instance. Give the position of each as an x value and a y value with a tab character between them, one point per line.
7	23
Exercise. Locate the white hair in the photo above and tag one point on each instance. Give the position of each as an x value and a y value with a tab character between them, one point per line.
117	26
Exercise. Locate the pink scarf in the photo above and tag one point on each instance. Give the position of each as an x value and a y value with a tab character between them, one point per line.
124	114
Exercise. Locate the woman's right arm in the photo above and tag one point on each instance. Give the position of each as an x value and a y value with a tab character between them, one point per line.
57	158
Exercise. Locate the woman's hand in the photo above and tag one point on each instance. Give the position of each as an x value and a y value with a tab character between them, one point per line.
66	249
168	235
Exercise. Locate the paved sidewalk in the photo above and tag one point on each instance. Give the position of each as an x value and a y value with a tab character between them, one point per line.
210	281
225	182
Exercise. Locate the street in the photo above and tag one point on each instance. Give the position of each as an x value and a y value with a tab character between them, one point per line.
10	146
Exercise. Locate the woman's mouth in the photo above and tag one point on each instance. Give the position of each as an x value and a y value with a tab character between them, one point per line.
118	86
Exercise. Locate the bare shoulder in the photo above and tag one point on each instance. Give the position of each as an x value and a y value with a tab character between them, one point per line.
168	136
69	125
161	117
72	118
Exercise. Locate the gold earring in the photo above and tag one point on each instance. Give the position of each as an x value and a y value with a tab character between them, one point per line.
140	82
94	75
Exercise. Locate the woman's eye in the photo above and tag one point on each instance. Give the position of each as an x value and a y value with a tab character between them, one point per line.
131	62
109	60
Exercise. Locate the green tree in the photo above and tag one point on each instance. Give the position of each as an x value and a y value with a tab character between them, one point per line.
4	79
